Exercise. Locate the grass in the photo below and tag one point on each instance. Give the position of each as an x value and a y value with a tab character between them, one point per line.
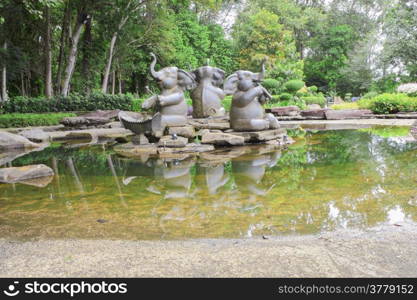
29	119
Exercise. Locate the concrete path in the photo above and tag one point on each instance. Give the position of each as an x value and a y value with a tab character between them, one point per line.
383	252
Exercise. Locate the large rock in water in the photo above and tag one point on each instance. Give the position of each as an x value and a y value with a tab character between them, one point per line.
14	141
17	174
343	114
35	135
222	139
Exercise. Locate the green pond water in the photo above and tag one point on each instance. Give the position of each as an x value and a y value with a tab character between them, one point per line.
326	181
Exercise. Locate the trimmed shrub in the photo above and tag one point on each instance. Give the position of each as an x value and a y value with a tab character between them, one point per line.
271	85
294	85
285	97
393	103
24	120
314	100
74	102
313	89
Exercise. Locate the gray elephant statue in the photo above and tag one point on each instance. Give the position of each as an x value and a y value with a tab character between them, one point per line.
171	108
247	112
207	96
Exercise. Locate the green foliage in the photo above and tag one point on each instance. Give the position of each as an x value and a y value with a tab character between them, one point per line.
314	100
313	89
272	85
73	102
259	36
323	67
285	96
393	103
370	95
24	120
341	106
227	102
294	85
387	131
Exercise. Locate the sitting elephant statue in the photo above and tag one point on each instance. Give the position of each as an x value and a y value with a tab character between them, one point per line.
171	108
207	96
247	113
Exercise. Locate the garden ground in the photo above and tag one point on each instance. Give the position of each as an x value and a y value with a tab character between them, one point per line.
387	251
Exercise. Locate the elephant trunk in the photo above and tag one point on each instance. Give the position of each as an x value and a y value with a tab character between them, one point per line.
152	67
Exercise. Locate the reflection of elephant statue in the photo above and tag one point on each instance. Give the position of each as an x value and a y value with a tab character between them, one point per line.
214	177
250	172
207	96
170	104
247	113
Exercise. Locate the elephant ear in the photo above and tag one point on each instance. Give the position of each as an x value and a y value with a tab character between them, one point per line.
186	81
218	77
230	85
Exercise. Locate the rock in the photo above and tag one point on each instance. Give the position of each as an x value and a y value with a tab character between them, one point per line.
222	139
84	121
184	131
140	139
189	148
104	114
285	110
346	114
210	123
90	134
319	113
171	142
38	182
313	106
35	135
14	141
17	174
261	136
132	150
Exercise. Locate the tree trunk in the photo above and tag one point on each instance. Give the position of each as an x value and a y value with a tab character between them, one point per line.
113	82
108	64
86	49
120	81
48	55
4	77
72	57
62	43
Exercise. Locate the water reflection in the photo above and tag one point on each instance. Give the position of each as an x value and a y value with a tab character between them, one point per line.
325	181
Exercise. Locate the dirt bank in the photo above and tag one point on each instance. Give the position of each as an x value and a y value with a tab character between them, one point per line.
388	251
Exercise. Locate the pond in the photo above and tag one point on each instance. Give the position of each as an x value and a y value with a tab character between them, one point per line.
326	181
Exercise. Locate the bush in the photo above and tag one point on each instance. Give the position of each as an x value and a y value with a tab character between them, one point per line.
74	102
393	103
24	120
271	85
294	85
314	100
313	89
370	95
285	97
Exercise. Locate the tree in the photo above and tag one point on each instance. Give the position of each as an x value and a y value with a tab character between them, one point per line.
330	55
261	37
400	46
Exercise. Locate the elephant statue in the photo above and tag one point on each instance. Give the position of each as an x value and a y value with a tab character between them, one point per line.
171	108
207	96
247	113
